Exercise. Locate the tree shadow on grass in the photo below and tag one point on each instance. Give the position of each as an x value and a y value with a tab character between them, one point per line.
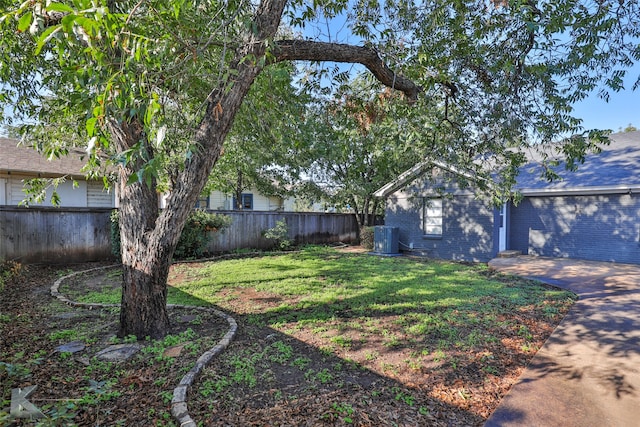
466	374
406	398
266	377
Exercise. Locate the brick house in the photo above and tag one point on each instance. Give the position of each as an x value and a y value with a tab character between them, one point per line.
592	214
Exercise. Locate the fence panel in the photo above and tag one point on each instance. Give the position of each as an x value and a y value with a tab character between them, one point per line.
54	235
64	235
248	227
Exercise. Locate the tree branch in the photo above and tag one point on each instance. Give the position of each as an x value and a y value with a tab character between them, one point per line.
308	50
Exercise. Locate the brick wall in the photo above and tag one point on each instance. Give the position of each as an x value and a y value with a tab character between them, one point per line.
599	228
468	227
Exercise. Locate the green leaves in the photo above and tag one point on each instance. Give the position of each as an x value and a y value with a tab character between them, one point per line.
45	37
493	77
91	126
360	142
59	7
38	190
261	149
25	22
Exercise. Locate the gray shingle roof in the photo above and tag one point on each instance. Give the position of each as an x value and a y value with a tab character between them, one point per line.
616	168
24	159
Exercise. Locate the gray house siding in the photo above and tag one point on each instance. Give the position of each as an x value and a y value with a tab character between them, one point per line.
599	227
468	227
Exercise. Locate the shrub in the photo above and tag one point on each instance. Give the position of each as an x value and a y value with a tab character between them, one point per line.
279	234
8	269
196	233
194	238
366	237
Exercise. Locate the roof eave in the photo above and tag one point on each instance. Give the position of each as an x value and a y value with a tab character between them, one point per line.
42	174
580	191
402	179
415	172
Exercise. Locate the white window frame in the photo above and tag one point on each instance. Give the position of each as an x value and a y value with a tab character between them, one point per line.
432	217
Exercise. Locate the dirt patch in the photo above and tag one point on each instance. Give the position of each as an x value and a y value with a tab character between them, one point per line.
463	386
308	387
352	249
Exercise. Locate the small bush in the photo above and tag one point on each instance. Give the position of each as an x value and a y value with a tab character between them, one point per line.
280	234
194	238
195	235
366	237
8	269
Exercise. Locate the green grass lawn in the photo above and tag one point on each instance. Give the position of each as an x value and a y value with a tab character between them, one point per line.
446	332
458	332
318	284
323	290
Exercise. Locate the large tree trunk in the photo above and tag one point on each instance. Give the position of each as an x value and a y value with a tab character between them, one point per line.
149	237
145	264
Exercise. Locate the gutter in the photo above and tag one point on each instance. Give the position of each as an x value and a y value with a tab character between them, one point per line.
580	191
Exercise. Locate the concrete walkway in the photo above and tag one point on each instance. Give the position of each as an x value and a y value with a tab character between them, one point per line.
588	371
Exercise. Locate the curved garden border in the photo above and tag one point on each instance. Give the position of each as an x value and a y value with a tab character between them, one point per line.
179	408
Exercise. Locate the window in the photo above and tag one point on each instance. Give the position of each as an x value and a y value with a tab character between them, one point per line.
432	217
246	200
203	202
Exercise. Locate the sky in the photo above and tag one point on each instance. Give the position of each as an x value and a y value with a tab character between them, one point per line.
622	109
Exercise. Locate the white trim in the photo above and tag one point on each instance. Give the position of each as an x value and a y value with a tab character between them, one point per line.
578	191
403	178
419	168
502	229
432	216
417	171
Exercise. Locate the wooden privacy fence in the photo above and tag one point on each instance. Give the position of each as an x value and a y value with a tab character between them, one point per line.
54	235
247	228
64	235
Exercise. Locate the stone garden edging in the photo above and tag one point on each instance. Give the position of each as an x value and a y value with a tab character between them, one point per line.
179	408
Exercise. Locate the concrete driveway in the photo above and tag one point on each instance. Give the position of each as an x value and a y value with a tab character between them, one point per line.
588	371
